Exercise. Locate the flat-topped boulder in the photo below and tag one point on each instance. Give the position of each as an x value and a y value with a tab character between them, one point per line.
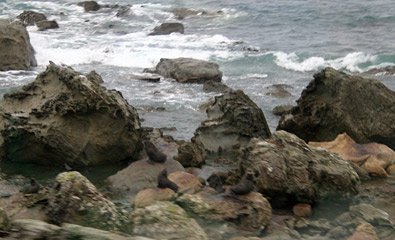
188	70
16	52
66	117
335	102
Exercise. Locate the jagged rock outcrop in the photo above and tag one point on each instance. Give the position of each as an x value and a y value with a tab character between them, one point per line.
232	120
16	52
29	18
335	102
188	70
287	170
74	199
65	117
168	28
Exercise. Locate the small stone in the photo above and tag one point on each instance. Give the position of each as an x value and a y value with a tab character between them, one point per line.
302	210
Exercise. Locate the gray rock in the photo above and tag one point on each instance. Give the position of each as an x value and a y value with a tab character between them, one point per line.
232	120
89	6
30	18
165	220
189	70
371	215
4	220
190	154
282	110
45	24
168	28
34	229
214	86
65	117
16	52
335	102
388	70
287	168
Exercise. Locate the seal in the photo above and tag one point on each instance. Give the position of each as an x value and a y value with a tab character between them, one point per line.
164	182
153	153
245	186
32	187
215	181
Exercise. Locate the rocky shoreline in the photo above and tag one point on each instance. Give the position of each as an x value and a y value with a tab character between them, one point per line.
327	151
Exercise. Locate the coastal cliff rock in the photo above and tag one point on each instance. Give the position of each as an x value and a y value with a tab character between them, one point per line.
287	170
168	28
16	52
74	199
165	220
251	211
232	120
29	18
335	102
65	117
373	157
188	70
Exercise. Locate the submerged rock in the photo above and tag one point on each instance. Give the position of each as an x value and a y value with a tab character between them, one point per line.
16	52
165	220
76	200
30	18
65	117
232	120
168	28
45	24
214	86
373	157
288	170
188	70
335	102
388	70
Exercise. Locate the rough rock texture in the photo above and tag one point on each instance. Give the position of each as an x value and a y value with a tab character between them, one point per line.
140	175
282	110
168	28
4	221
373	157
364	231
335	102
388	70
288	170
30	18
165	220
232	120
45	24
190	154
214	86
279	90
64	117
370	214
89	6
150	196
186	182
34	229
76	200
302	210
251	211
188	70
16	52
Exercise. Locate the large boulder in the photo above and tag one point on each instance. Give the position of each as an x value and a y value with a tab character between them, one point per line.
335	102
190	154
65	117
16	52
74	199
188	70
168	28
289	170
232	120
165	220
373	157
251	211
29	18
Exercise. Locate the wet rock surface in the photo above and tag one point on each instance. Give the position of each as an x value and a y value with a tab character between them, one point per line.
65	117
168	28
45	24
188	70
287	169
232	120
16	52
331	105
90	6
30	18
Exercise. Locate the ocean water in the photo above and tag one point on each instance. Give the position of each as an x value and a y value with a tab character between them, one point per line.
258	45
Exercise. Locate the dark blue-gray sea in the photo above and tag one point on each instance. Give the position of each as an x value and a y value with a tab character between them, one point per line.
257	44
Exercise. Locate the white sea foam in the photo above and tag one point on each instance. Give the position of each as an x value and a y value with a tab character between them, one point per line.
254	76
350	62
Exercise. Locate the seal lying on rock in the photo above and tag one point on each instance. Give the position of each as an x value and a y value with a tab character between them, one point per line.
153	153
245	186
32	187
164	182
215	182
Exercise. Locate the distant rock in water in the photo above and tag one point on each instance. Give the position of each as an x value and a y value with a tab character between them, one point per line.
335	102
45	24
16	52
65	117
30	18
188	70
168	28
388	70
282	110
89	6
214	86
